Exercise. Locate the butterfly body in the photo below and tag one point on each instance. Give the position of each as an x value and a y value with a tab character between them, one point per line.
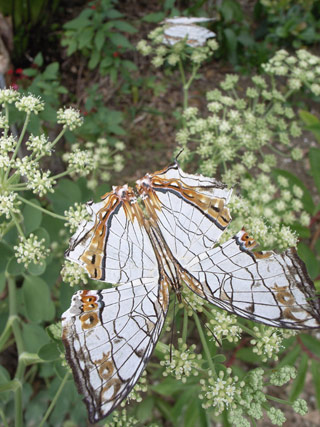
170	242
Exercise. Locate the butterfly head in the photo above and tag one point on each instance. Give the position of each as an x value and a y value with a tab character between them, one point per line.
144	184
123	192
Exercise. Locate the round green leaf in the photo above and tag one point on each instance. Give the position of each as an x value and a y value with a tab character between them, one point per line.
34	337
37	269
38	303
14	268
32	216
49	351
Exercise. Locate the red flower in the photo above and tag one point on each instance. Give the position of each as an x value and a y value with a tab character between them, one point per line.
93	7
15	86
116	54
19	71
10	72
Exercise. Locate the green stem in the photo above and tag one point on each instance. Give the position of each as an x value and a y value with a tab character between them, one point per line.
20	347
14	155
5	334
184	87
3	417
276	399
67	172
280	153
17	224
54	215
185	326
204	343
54	400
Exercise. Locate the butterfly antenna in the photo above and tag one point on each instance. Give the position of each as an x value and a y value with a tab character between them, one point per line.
203	324
172	325
176	158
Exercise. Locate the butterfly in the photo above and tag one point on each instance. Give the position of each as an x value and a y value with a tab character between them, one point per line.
158	237
179	28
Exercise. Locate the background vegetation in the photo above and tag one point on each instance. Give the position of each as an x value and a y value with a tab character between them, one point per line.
243	108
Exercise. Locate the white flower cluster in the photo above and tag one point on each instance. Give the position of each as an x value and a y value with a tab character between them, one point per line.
224	325
99	160
39	145
9	204
267	342
30	104
70	118
8	96
40	182
184	362
73	274
220	393
75	215
30	250
121	419
301	70
138	389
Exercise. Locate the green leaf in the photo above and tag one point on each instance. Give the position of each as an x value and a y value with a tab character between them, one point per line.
120	40
85	38
37	269
168	386
154	17
312	343
66	194
34	337
6	253
145	408
38	60
314	157
299	381
306	199
38	303
4	379
114	14
124	26
94	60
32	216
315	371
51	71
291	357
14	268
99	39
49	351
312	123
2	281
309	258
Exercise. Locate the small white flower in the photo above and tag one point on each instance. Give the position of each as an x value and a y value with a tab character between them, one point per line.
8	204
69	117
30	250
80	161
75	215
73	274
30	104
119	145
40	182
39	145
144	48
8	96
7	144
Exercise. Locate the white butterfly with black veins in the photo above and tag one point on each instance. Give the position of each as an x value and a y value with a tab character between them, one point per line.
179	28
109	335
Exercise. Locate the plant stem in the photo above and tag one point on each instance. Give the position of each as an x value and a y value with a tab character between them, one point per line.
204	343
26	201
20	348
54	400
3	417
16	222
67	172
14	155
276	399
185	326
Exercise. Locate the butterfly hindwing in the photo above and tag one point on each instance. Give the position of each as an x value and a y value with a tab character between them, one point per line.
271	288
109	336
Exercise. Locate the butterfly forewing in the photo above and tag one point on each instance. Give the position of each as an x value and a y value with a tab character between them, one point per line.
114	246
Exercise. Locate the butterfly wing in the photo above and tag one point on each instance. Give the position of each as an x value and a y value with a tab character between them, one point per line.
113	246
270	288
109	336
190	210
